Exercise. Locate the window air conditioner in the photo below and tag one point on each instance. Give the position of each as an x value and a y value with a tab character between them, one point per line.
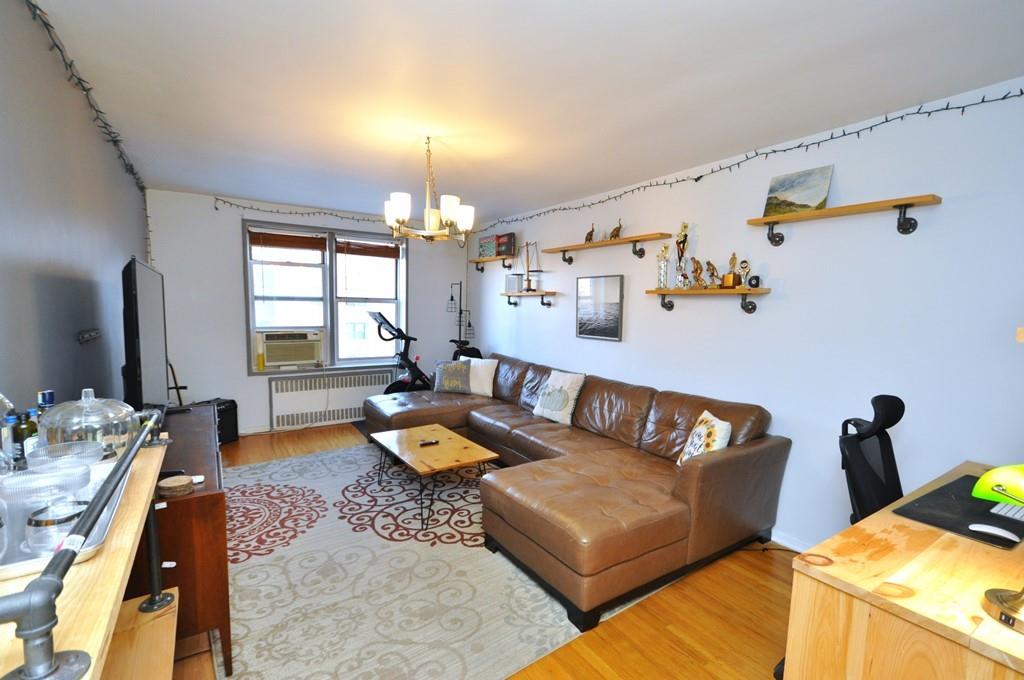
290	348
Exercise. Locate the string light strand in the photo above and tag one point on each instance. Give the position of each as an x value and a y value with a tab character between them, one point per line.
99	117
757	153
318	212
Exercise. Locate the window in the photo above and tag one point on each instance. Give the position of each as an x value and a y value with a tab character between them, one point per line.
320	284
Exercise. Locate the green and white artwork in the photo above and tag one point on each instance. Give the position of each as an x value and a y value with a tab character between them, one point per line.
798	191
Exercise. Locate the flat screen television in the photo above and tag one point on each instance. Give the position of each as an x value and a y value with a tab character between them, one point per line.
145	336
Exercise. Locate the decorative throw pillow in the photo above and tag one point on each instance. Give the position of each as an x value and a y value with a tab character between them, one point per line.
557	397
451	376
708	434
481	375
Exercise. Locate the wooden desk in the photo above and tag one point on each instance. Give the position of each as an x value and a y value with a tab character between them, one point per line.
88	607
893	598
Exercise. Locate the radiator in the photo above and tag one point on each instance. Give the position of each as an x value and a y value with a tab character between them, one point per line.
300	401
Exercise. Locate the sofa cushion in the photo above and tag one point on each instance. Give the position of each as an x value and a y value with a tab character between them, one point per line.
613	409
673	415
498	421
452	376
591	512
481	375
508	378
557	398
552	440
410	409
533	382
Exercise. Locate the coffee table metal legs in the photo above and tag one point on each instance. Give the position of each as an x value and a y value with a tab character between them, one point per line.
427	484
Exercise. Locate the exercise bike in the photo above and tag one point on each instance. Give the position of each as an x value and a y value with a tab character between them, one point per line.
414	378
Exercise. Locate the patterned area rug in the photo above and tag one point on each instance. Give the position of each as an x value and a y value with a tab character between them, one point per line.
333	576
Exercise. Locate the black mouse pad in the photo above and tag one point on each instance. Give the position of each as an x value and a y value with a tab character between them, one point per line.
953	508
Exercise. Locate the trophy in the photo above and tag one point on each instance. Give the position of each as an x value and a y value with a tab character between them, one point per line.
744	270
713	275
732	279
663	267
698	272
682	280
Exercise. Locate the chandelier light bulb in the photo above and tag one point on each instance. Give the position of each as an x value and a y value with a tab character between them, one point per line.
449	208
401	203
467	214
389	214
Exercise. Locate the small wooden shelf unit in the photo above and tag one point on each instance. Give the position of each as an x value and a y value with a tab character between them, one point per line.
623	240
478	262
904	224
531	293
748	306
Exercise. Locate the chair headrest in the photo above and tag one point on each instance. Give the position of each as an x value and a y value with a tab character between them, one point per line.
888	411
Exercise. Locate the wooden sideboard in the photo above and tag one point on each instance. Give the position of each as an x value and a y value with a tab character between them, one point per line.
193	531
893	598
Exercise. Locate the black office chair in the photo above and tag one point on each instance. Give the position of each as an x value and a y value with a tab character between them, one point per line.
868	459
870	465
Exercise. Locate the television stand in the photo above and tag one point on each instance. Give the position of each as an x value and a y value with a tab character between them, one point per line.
193	530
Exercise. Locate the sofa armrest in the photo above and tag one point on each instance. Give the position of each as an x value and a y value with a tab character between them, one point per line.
733	494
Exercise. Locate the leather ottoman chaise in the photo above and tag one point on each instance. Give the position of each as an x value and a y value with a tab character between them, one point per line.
598	511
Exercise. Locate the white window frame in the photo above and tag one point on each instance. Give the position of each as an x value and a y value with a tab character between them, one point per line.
330	294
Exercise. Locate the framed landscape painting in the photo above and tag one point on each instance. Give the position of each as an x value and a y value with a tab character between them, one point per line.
798	191
599	307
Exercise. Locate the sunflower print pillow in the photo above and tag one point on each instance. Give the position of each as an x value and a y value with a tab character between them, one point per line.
708	434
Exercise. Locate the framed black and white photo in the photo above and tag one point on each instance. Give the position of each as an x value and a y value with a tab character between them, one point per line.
599	307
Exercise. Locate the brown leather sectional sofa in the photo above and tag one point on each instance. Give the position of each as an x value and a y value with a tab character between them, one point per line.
598	512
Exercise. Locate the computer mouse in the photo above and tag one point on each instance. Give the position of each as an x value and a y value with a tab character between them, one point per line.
994	531
1003	484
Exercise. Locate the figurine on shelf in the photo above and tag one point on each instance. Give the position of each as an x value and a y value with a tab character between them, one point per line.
731	279
698	272
663	267
590	234
616	232
713	275
744	270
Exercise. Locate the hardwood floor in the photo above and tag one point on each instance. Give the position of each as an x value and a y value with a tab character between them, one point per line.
259	448
726	620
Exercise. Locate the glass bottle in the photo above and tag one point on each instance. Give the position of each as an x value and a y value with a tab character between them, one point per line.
24	435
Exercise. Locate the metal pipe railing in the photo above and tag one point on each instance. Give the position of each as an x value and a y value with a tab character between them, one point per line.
34	610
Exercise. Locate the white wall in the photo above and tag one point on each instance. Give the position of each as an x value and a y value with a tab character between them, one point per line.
856	309
71	218
199	251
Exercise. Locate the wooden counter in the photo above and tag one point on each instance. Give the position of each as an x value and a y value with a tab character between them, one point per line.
88	607
893	598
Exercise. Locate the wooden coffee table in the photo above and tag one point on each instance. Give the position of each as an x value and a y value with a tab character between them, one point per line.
451	452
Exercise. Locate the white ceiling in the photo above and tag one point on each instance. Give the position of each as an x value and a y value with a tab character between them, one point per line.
530	102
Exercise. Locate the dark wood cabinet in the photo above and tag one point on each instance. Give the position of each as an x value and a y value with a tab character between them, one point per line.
193	531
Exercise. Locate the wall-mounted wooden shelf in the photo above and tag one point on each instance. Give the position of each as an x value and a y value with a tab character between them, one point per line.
533	293
478	262
638	238
904	224
748	306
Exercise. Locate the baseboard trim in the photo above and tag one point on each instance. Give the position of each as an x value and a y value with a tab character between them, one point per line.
790	541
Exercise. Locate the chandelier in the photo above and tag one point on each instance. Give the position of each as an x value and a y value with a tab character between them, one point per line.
451	219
